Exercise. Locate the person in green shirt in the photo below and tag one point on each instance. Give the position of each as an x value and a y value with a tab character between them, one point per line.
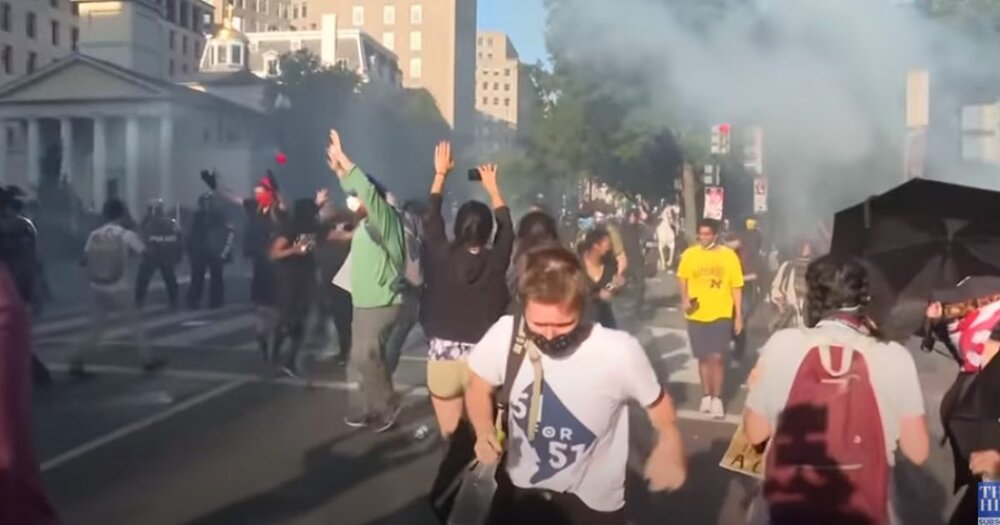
377	259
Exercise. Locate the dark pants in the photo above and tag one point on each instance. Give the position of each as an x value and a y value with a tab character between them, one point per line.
408	317
516	505
216	291
340	307
637	278
147	268
750	294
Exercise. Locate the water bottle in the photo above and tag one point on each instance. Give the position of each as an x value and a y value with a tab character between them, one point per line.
475	496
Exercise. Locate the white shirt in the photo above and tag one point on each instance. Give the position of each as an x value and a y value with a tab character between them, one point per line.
131	243
582	439
891	370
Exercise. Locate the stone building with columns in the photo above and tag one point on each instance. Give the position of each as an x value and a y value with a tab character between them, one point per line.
120	133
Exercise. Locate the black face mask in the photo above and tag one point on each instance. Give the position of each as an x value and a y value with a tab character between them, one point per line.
562	345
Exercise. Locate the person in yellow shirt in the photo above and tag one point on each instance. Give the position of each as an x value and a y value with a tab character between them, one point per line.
710	279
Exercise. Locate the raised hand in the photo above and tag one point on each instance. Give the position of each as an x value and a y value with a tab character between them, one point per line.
335	156
443	160
489	174
322	197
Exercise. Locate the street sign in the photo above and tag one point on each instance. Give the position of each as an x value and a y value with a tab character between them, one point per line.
715	197
753	151
721	139
760	195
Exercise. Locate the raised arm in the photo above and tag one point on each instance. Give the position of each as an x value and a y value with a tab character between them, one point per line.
434	234
503	245
381	214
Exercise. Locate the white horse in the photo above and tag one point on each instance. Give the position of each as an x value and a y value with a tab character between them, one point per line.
666	238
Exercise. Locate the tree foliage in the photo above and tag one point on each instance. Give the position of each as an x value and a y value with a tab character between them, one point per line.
390	132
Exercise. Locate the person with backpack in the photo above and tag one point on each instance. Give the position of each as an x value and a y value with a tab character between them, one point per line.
210	247
377	276
833	403
559	389
162	237
105	257
466	289
413	286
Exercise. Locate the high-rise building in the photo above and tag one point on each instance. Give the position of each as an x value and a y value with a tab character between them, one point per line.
34	33
500	88
255	16
161	39
435	41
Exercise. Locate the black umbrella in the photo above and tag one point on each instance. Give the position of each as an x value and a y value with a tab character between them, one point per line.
920	236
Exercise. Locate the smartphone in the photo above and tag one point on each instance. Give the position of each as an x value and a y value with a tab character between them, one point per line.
694	306
474	175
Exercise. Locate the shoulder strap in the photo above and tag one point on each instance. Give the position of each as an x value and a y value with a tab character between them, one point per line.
514	359
376	237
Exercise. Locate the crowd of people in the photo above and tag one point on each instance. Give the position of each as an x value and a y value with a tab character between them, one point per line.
527	368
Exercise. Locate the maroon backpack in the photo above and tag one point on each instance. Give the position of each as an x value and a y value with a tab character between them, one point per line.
827	460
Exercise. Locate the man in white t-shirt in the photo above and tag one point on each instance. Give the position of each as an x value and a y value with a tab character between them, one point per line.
105	256
568	437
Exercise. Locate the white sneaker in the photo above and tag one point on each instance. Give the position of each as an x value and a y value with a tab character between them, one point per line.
706	405
716	409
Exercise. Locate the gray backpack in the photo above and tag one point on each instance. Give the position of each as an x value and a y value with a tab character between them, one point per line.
105	258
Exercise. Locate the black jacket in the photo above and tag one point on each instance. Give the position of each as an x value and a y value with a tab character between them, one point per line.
465	293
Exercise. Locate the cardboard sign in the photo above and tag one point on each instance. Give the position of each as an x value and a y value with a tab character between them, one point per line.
742	457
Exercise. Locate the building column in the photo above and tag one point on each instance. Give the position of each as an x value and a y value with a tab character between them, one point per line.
167	160
66	141
132	163
100	177
34	152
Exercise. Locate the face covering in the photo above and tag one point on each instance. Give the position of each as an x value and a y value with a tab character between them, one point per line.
561	345
353	204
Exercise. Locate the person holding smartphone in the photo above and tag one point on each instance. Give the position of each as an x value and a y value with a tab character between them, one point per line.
292	251
602	275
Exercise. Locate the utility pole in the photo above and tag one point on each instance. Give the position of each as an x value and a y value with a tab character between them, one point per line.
917	121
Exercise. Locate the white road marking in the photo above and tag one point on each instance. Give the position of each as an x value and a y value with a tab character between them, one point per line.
137	426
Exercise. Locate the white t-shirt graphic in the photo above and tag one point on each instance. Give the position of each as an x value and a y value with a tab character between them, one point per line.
581	443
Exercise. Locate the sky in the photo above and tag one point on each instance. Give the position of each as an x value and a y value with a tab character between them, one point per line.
522	20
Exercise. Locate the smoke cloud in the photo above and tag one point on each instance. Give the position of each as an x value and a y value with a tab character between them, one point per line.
825	78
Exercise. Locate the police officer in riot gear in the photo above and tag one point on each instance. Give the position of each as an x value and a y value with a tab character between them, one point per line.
162	235
210	247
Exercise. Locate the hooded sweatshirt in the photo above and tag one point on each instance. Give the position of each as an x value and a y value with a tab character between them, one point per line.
465	293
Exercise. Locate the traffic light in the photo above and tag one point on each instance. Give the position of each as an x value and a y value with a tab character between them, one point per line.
721	139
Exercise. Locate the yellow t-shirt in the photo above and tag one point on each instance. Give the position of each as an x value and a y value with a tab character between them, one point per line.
711	276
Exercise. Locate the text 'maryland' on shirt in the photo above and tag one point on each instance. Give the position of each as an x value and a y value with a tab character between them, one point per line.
711	275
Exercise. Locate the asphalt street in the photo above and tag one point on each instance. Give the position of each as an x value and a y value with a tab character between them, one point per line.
219	439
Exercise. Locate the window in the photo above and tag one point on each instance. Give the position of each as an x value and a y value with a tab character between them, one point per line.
416	14
184	44
5	16
506	87
295	12
271	66
389	15
304	10
496	101
75	8
7	57
486	85
171	68
10	138
416	41
490	57
389	41
416	68
506	72
358	15
197	49
184	68
74	35
55	32
506	102
220	55
236	54
32	25
172	41
32	61
489	41
486	101
496	86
